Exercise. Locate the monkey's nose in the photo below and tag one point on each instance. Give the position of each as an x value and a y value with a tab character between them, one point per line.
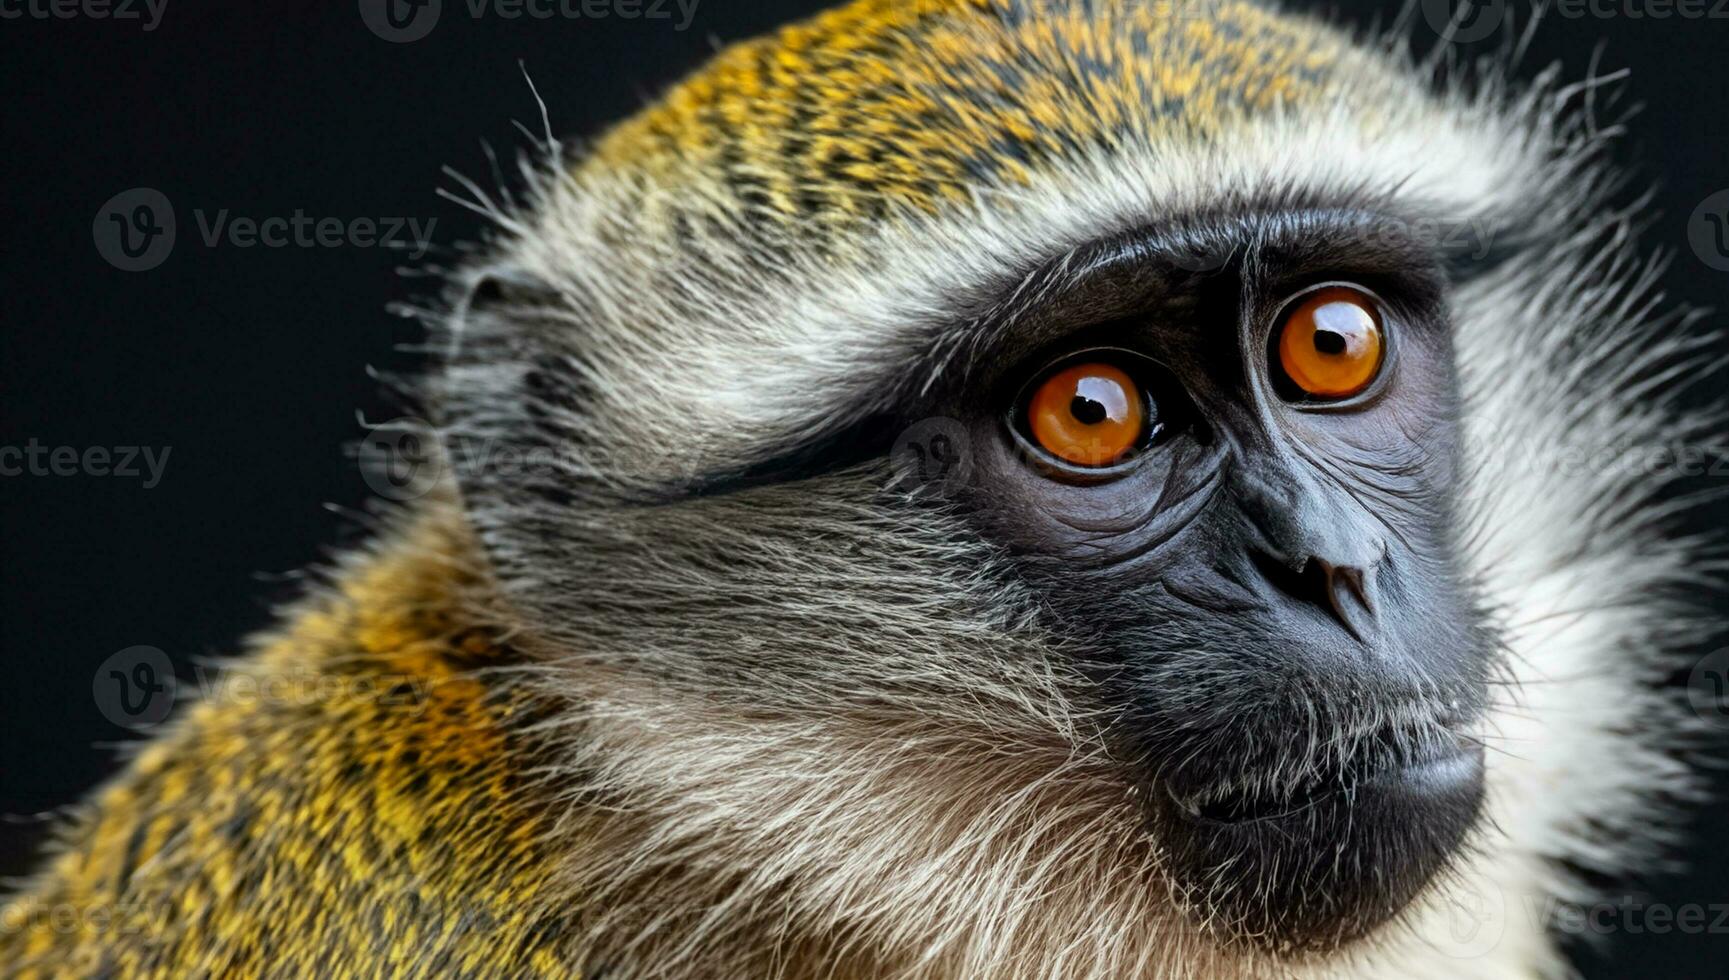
1346	592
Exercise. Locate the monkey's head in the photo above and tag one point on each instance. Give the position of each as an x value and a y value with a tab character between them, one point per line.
1017	487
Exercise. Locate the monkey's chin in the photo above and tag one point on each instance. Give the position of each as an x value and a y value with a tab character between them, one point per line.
1326	862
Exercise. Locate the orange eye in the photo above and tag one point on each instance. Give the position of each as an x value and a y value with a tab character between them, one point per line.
1090	414
1330	344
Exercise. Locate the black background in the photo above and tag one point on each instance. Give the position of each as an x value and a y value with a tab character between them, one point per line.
251	362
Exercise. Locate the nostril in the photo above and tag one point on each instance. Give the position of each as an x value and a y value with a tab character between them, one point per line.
1338	589
1307	583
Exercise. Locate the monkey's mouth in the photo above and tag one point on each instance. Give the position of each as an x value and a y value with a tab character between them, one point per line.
1316	862
1431	772
1259	804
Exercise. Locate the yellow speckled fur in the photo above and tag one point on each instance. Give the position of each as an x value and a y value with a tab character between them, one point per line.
888	104
353	800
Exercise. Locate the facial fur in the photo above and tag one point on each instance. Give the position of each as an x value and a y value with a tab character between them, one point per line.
955	727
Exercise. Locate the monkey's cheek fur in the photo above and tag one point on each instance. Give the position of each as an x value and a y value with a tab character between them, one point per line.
1313	867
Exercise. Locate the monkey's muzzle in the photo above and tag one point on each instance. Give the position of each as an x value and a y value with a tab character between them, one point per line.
1319	859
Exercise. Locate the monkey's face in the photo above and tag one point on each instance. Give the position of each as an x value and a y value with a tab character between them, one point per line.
1233	491
1178	654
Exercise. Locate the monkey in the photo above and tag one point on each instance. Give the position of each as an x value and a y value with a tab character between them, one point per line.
1016	492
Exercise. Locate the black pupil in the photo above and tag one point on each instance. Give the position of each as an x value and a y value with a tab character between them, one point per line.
1328	342
1086	411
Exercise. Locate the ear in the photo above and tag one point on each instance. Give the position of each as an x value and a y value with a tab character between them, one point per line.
507	401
